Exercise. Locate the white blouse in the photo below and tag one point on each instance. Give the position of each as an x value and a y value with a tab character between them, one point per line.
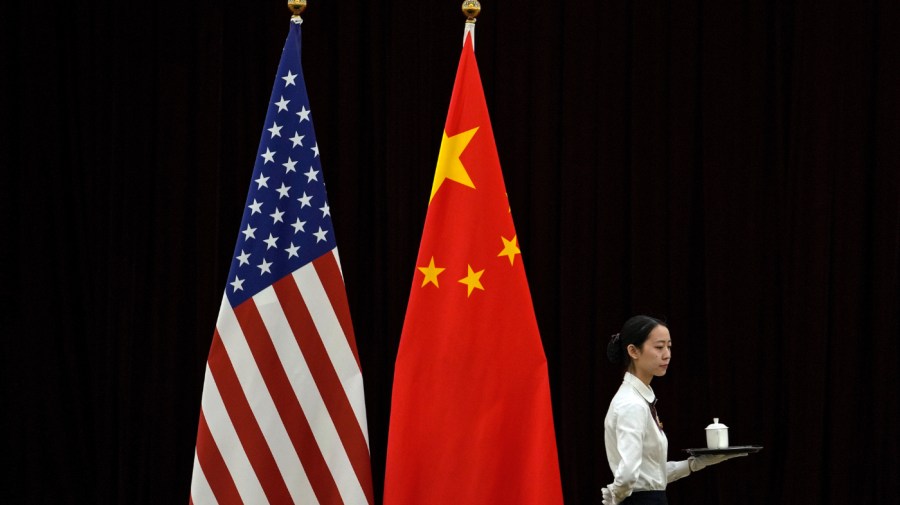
635	446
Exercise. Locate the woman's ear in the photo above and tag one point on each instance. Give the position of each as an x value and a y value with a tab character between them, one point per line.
633	351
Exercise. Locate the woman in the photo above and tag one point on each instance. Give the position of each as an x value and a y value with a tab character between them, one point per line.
636	444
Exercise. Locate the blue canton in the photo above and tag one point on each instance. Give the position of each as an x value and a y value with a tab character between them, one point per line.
287	221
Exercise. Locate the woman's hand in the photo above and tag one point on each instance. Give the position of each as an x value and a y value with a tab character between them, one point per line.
608	498
700	462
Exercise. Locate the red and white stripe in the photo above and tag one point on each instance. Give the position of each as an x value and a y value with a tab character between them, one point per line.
283	416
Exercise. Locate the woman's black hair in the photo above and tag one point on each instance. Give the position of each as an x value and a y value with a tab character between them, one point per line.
634	331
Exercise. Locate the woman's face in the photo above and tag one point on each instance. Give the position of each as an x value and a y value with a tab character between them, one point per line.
652	359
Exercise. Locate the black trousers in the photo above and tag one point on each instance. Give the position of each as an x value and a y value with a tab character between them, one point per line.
646	498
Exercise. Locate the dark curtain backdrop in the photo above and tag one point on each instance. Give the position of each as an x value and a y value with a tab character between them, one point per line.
732	167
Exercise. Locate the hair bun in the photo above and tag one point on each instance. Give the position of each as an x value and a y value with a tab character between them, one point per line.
614	349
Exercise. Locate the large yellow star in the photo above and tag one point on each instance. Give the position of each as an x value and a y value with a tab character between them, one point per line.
431	273
510	249
448	165
472	280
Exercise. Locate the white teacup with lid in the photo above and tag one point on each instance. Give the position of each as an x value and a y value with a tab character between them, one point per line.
717	435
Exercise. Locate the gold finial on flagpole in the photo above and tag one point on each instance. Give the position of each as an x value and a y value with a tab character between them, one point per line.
471	8
296	6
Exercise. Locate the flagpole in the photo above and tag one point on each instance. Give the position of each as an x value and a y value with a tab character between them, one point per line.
297	7
470	8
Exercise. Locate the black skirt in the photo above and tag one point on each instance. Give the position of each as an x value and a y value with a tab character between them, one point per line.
646	498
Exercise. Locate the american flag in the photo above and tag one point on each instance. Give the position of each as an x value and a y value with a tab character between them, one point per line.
283	416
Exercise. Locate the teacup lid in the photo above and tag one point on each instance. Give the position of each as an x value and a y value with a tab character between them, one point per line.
716	425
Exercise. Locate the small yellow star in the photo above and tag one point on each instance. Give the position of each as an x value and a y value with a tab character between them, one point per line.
431	273
510	249
448	165
473	280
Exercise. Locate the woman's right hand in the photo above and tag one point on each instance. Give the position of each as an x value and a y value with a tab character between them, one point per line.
608	498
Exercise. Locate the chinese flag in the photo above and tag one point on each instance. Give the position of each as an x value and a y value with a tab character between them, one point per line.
471	420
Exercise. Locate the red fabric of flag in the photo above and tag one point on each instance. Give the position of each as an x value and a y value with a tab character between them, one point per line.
471	420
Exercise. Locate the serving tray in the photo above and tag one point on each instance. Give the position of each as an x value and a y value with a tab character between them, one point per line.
734	449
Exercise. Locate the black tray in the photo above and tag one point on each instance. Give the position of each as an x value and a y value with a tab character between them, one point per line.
734	449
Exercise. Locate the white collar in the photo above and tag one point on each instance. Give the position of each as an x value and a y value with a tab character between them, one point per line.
644	390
